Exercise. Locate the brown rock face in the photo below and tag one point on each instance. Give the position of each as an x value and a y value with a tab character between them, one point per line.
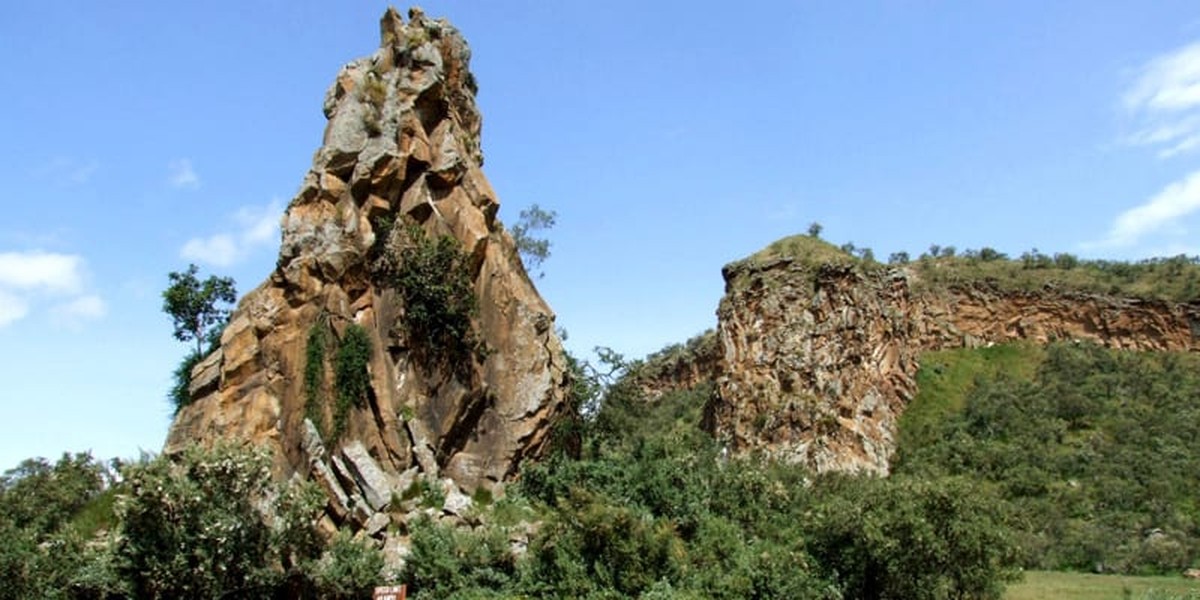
820	361
401	149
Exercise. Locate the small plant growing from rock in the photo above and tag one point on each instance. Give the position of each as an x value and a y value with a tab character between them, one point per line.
314	374
373	92
351	378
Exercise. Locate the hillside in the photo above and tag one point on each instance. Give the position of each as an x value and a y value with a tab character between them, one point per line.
1095	448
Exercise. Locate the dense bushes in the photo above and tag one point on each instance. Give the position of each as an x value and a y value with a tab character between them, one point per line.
46	514
204	524
190	529
652	508
1096	450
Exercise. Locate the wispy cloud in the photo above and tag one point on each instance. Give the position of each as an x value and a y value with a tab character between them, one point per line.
253	227
1165	102
74	313
181	174
1162	212
33	277
65	170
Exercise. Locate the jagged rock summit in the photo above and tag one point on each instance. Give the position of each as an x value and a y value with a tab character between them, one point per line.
398	174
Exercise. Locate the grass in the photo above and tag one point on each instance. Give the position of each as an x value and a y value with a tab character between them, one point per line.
947	377
1173	279
1044	585
804	248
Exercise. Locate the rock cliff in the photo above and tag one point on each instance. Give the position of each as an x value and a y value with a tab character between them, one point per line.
819	357
399	167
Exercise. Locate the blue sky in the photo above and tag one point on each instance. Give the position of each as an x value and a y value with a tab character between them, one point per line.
670	137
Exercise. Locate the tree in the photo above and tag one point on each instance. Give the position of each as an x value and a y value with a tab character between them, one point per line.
534	250
814	229
196	306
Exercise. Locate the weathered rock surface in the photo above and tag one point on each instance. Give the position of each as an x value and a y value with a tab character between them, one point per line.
818	361
680	366
401	146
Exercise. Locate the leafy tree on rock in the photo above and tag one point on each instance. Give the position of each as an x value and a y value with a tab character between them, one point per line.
534	250
199	311
197	307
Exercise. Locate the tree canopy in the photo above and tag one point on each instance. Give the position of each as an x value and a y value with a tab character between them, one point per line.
197	307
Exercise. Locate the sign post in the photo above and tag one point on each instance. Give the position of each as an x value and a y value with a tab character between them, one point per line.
390	592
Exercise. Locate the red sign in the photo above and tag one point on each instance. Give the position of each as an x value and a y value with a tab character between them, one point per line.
390	592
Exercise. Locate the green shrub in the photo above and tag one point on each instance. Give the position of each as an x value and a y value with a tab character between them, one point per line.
905	538
190	529
314	375
191	526
449	562
349	569
182	376
595	545
434	280
351	377
47	513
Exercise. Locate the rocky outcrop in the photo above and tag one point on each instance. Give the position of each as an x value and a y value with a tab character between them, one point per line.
819	359
401	151
679	366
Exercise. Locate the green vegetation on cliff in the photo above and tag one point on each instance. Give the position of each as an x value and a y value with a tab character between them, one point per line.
1175	278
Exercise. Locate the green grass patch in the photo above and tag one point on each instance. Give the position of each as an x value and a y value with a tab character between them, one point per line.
947	377
805	248
1051	585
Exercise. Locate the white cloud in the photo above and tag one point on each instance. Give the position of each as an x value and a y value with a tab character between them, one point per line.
41	270
1163	211
83	308
36	275
1165	101
255	226
12	308
219	249
180	174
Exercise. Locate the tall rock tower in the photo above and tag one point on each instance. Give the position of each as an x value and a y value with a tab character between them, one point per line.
393	212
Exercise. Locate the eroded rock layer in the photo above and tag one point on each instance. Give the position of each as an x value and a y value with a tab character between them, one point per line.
819	361
401	150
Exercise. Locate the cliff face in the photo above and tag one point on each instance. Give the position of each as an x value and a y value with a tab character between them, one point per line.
401	150
679	367
819	360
